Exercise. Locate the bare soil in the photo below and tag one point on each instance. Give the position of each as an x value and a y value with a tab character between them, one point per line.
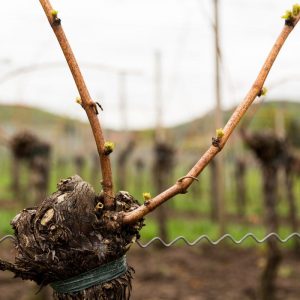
189	273
207	273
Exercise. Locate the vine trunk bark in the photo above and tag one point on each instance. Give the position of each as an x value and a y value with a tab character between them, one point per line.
71	233
273	259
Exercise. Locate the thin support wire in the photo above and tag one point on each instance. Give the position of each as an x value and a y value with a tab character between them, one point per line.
225	236
7	237
207	238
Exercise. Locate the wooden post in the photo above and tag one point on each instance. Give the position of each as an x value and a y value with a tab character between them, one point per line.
163	152
123	101
159	132
218	176
129	143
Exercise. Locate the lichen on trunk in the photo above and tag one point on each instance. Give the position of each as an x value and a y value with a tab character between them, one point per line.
70	233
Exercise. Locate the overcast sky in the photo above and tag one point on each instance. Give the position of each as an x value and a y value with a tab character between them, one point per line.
124	35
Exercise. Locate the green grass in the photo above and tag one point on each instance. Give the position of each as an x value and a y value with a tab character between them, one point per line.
6	217
190	212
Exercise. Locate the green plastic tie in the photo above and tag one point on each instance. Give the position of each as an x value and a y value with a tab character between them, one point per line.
102	274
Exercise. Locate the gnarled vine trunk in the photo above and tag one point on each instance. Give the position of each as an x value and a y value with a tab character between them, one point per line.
271	153
27	148
162	171
71	234
291	163
269	274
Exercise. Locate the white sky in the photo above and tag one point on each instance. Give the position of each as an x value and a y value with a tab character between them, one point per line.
124	34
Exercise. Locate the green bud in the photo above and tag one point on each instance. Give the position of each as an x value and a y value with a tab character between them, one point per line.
146	196
264	91
54	13
296	10
219	133
108	147
78	100
288	15
291	14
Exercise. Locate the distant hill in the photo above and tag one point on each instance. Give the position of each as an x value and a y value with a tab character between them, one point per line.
266	115
71	133
48	126
68	136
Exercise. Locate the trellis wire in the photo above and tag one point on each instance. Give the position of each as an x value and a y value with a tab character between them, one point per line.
7	237
206	238
216	242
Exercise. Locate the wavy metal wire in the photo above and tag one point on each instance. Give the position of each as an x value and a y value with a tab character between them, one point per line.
7	237
225	236
206	238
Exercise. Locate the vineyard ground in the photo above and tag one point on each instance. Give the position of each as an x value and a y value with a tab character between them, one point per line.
200	273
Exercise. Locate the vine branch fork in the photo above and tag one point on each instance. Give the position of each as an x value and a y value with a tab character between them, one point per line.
183	184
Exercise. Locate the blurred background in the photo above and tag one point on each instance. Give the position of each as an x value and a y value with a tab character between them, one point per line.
167	74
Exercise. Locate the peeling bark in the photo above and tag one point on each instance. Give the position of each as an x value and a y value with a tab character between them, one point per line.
70	233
